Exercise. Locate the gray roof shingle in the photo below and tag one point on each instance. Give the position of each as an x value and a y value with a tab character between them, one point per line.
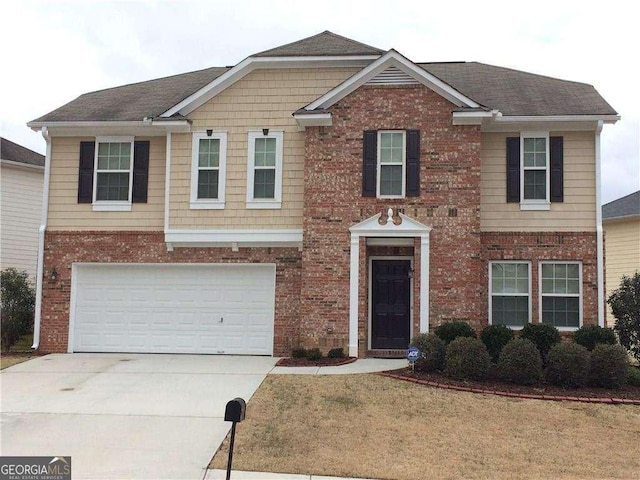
627	206
321	45
511	91
514	92
134	101
17	153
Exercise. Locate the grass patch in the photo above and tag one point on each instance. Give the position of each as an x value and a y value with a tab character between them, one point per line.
377	427
18	353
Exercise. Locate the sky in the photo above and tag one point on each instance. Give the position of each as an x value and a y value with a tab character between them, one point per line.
53	51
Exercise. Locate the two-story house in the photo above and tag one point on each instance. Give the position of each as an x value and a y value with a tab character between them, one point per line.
322	193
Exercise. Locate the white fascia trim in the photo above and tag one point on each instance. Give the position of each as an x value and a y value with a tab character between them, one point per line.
313	120
599	231
41	232
223	237
39	125
557	118
28	166
391	58
473	118
249	64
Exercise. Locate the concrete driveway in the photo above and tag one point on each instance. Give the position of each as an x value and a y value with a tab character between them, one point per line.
125	415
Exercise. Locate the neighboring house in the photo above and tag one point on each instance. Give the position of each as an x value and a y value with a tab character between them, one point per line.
323	193
621	222
21	180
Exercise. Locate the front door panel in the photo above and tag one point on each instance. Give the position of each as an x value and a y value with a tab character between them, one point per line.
391	304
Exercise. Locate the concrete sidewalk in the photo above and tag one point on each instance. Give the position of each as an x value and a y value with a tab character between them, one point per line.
237	475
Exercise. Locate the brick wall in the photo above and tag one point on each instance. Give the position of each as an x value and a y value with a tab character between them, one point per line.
62	249
333	202
536	247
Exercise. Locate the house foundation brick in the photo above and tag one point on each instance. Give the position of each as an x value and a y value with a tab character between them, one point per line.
63	249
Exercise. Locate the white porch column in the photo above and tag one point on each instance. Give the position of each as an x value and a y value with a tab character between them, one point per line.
354	276
424	282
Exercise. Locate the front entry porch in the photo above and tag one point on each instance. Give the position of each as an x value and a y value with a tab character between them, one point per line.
381	317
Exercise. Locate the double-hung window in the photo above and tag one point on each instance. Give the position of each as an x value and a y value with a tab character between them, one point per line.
510	293
561	293
264	170
209	151
113	173
391	164
535	170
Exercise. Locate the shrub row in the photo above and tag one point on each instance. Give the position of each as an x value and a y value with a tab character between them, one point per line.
314	354
535	354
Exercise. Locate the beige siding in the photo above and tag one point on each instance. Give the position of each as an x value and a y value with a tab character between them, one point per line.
263	99
21	214
576	213
65	213
622	253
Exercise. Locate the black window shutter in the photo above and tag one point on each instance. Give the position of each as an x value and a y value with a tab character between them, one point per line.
369	163
413	163
556	148
140	171
513	169
85	172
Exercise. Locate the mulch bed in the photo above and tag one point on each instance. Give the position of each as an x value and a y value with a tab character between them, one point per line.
626	395
323	362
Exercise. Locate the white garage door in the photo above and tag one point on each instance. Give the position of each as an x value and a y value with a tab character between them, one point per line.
173	308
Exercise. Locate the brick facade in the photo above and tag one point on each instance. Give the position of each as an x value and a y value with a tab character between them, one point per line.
65	248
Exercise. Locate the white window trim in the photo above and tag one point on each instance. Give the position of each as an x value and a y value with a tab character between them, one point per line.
530	294
537	204
404	164
112	205
264	203
580	298
208	203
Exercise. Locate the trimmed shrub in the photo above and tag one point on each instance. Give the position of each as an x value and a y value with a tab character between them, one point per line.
467	359
18	305
567	365
609	365
452	330
495	337
633	376
336	353
432	352
314	354
591	335
625	306
298	353
520	362
544	336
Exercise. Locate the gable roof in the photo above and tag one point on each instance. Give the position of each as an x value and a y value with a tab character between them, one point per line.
135	101
323	44
17	153
628	206
511	92
517	93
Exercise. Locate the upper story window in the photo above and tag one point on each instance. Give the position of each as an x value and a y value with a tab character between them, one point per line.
391	164
510	293
561	294
264	169
113	174
535	168
208	165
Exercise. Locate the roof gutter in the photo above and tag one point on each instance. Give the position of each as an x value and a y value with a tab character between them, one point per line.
557	118
599	234
41	232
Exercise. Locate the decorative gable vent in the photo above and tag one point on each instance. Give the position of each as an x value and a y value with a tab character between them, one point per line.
392	76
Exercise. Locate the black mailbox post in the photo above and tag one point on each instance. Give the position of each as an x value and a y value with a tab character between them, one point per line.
234	412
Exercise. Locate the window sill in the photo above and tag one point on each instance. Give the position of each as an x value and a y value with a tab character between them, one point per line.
535	205
206	205
112	207
269	204
567	329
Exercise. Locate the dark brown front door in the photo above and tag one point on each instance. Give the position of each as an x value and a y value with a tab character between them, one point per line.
391	304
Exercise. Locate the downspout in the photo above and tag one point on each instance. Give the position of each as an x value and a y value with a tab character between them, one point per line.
41	232
599	232
167	188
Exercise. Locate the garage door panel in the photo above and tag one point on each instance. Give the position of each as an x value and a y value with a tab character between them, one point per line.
174	308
